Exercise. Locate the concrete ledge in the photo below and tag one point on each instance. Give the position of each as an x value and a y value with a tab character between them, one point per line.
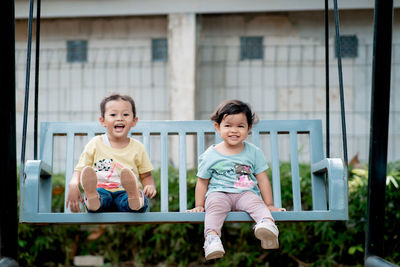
89	8
88	260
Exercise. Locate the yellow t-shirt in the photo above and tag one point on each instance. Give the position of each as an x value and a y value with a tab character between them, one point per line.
108	161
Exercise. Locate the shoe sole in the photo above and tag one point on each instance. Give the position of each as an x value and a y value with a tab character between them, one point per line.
129	183
217	253
89	184
269	240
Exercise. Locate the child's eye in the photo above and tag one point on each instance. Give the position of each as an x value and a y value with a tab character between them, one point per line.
112	114
126	114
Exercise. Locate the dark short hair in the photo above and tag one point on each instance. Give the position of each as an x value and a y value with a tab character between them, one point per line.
231	107
116	96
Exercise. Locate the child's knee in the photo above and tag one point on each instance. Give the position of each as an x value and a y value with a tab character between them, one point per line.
127	171
252	197
218	203
87	169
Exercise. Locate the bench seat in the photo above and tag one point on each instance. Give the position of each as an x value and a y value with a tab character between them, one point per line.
328	177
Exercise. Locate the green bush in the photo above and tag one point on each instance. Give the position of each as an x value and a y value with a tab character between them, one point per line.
301	243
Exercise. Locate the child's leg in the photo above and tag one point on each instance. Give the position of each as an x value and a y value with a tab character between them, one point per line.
130	183
253	205
89	184
265	229
122	203
106	200
217	206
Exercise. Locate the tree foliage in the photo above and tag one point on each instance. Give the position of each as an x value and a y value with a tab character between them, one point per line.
339	243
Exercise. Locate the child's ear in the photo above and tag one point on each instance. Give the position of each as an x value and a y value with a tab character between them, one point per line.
216	126
135	120
101	119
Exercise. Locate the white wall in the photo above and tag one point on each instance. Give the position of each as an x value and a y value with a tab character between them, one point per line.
119	60
288	84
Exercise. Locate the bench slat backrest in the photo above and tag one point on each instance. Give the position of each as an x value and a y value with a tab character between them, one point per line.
201	129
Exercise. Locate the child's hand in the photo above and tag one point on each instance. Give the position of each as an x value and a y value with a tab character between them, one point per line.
196	209
150	191
273	208
74	197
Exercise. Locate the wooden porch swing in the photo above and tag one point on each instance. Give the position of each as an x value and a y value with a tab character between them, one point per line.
328	175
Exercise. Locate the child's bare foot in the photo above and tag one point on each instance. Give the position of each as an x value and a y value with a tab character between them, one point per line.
130	183
89	184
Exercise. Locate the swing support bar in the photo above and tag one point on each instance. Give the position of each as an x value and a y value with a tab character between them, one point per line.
380	102
8	197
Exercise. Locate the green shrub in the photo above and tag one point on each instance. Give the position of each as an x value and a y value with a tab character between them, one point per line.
308	243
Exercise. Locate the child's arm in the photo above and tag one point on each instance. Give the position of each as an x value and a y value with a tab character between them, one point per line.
74	194
200	195
149	188
266	191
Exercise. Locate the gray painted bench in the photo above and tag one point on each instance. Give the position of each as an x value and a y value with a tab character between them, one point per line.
328	179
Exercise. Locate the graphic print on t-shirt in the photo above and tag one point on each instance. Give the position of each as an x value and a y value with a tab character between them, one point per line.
108	173
243	176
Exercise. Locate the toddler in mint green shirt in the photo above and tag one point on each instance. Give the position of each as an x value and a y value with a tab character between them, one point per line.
231	176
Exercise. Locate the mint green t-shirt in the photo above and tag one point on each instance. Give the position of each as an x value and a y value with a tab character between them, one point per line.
232	173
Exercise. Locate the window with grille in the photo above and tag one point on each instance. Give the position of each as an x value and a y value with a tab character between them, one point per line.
159	49
251	48
348	46
77	51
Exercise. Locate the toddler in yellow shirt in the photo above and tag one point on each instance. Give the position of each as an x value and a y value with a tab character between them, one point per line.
109	166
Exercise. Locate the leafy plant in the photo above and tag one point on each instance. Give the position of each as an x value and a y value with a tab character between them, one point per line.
301	243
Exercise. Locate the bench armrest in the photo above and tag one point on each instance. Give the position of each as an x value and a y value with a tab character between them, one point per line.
337	182
35	188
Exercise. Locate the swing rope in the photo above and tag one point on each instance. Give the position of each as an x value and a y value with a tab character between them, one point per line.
27	82
35	152
327	78
342	107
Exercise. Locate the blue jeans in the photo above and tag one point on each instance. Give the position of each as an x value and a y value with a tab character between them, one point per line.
117	201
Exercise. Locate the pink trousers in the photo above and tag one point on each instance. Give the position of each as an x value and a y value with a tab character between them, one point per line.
218	204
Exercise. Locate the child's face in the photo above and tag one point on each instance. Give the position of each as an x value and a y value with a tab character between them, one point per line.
118	119
233	129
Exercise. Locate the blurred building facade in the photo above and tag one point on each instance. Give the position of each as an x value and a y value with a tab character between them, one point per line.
179	59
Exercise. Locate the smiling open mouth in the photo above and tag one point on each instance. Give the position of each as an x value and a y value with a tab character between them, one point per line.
119	127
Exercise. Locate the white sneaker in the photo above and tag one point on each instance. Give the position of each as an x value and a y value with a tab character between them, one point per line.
268	233
213	248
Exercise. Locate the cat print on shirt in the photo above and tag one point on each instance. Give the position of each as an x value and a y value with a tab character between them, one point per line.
243	177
